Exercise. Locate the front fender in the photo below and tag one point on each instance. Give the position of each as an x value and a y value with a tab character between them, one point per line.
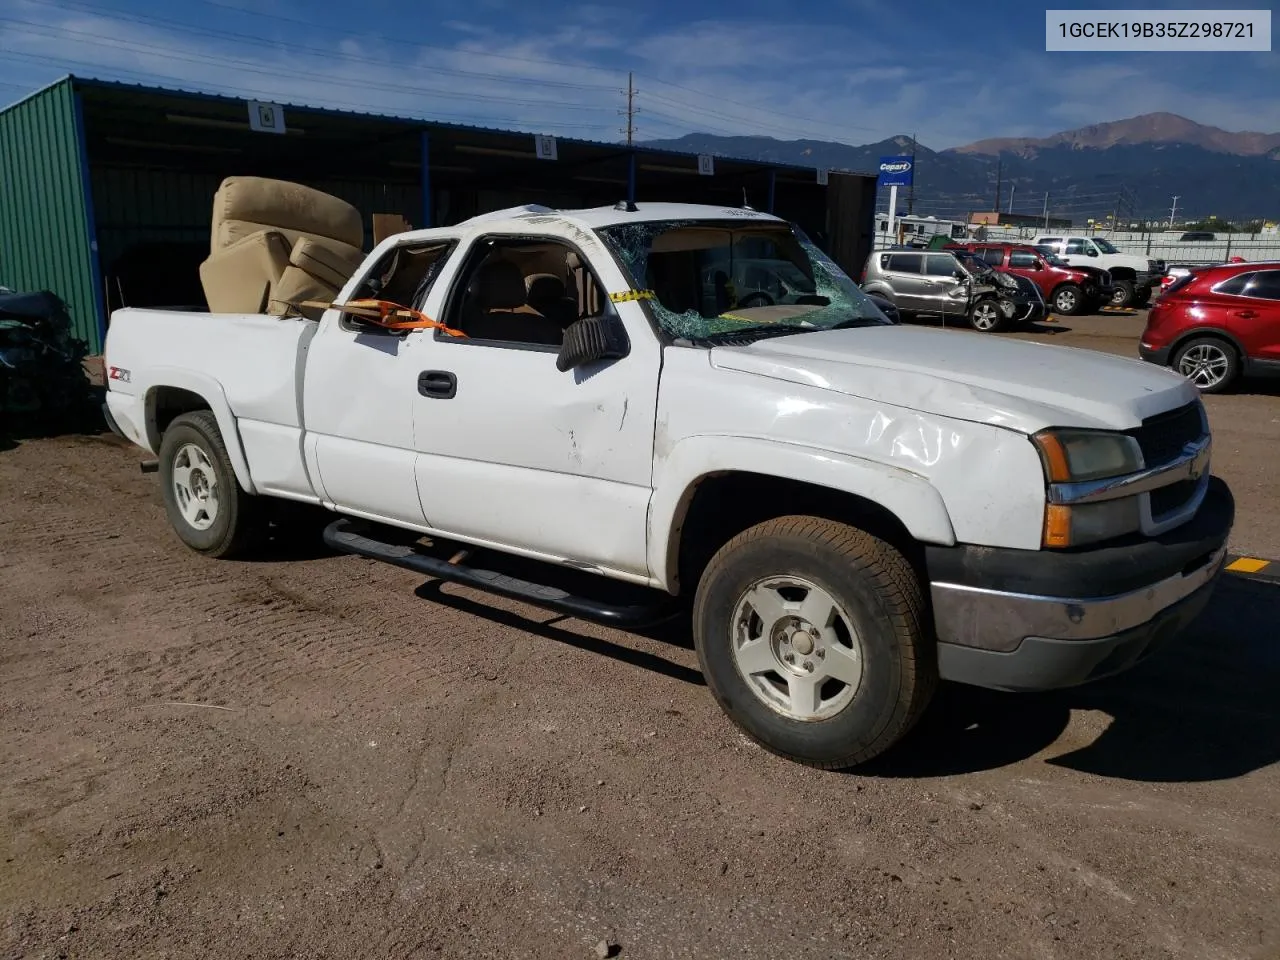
211	391
908	496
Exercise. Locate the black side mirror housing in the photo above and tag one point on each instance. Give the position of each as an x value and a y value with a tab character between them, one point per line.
591	339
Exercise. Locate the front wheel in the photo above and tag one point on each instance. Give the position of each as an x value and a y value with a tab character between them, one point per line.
1122	294
1068	300
812	637
985	316
204	502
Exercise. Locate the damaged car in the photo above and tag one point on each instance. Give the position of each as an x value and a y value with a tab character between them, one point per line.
952	283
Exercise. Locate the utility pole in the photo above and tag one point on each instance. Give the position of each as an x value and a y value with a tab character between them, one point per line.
998	185
1012	189
1046	210
1173	210
631	107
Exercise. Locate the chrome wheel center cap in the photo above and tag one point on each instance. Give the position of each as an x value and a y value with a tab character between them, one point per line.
802	643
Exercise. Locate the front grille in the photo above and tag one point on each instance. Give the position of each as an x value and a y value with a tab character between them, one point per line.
1163	436
1174	497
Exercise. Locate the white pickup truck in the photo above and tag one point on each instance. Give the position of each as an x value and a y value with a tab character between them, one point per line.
846	508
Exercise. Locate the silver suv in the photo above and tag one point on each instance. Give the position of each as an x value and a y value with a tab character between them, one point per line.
945	284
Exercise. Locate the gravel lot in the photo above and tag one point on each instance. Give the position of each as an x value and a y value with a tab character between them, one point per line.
318	756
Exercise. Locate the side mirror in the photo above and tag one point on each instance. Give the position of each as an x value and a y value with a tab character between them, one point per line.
961	275
1092	252
593	338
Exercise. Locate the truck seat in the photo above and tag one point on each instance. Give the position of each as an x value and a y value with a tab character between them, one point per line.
276	243
497	308
548	295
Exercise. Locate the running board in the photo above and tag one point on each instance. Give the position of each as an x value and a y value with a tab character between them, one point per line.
348	537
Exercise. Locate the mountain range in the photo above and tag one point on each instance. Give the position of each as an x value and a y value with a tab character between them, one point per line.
1130	168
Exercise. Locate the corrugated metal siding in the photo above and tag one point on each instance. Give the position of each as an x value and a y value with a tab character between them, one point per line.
164	216
44	232
141	205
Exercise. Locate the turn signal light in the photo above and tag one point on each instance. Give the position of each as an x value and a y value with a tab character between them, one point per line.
1057	525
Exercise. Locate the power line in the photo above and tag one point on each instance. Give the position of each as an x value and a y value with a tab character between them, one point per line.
251	66
204	33
225	90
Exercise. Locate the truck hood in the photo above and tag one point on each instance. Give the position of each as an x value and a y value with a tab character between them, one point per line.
1007	383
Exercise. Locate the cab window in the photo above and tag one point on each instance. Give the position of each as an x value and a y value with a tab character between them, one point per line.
941	266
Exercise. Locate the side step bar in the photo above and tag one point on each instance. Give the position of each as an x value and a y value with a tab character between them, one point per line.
349	537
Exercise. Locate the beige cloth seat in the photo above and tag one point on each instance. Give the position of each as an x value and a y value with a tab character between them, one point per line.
275	243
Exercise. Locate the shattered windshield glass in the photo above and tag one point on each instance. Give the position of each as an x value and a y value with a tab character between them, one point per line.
716	279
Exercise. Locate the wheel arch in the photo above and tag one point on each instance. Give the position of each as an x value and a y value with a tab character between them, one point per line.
175	392
1214	333
712	488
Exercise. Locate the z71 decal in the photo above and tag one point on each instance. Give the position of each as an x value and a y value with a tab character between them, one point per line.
119	373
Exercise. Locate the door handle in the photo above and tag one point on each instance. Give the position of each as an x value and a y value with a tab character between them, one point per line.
1245	314
437	384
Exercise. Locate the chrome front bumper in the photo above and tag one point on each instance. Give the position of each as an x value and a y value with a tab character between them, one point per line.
1000	621
1041	619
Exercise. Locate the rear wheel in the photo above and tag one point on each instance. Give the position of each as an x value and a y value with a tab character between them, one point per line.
203	500
811	635
1211	364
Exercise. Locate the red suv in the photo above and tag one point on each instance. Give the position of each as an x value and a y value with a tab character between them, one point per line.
1218	323
1066	289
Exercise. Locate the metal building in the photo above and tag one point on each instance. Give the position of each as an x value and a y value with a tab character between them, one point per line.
107	188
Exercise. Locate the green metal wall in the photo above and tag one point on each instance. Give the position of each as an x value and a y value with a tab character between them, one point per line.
44	218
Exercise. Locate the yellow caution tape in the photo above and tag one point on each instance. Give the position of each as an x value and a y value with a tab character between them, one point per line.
628	295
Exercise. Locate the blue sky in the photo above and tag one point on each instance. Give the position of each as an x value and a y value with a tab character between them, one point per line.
855	71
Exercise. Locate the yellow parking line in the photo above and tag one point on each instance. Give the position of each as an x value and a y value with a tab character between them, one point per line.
1248	565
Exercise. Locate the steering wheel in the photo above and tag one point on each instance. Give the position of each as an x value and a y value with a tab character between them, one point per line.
757	299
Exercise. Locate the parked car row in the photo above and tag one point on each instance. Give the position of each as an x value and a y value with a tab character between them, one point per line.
1211	324
953	282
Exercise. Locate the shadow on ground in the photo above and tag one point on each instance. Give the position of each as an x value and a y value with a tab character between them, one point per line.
1204	707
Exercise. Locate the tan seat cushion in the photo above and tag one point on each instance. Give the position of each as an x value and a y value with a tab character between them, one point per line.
329	260
239	278
245	205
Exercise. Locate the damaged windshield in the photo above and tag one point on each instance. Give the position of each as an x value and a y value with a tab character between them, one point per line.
716	280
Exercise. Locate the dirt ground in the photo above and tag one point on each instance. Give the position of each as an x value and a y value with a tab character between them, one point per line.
318	756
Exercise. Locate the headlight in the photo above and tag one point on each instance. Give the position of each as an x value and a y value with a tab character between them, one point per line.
1006	281
1075	456
1070	456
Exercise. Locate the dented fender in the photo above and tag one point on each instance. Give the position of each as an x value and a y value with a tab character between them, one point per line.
908	496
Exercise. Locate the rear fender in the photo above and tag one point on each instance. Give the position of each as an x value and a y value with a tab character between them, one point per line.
210	390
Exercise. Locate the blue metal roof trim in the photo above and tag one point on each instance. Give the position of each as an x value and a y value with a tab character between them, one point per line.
414	121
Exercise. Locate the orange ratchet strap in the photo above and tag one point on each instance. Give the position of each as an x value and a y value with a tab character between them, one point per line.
394	316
